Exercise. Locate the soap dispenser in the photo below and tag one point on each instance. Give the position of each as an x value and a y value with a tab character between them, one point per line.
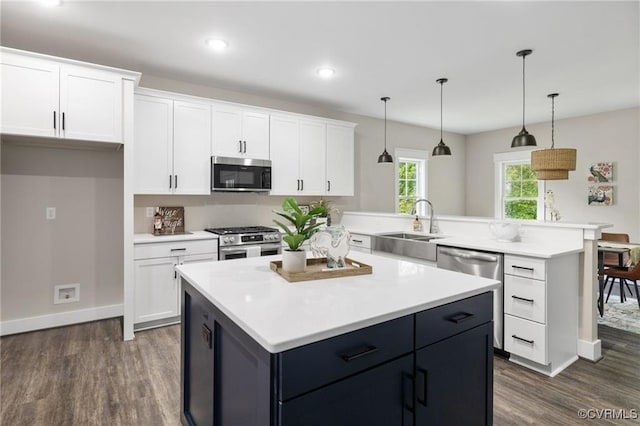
417	225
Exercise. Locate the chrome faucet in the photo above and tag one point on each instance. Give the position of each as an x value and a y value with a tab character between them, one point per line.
413	211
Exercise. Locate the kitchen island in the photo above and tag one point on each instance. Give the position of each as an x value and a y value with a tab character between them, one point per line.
408	344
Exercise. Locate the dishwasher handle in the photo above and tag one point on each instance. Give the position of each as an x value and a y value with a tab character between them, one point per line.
468	255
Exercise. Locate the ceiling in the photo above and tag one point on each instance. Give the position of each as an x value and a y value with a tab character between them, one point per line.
589	52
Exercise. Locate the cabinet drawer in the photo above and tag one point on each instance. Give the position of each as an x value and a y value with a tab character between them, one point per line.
311	366
528	267
525	338
174	248
447	320
361	241
525	298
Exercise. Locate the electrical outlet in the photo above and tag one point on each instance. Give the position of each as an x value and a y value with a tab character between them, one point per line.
66	293
51	213
150	212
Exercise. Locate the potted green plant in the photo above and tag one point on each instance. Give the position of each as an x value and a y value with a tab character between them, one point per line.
328	209
299	229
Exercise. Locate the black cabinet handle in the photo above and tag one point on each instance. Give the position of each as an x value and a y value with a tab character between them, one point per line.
298	185
245	147
54	119
179	249
461	317
301	184
175	182
425	375
170	181
358	352
63	121
240	147
328	186
523	299
356	241
206	336
407	392
523	340
522	267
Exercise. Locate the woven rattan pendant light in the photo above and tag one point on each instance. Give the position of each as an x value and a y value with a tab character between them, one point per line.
553	163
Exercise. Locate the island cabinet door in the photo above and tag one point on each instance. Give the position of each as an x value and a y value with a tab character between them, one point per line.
454	380
382	396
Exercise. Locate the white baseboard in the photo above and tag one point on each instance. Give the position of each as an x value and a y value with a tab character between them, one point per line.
590	350
58	320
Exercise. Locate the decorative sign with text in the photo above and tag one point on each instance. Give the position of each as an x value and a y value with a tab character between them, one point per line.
172	219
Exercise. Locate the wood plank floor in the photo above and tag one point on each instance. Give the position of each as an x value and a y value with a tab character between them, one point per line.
86	375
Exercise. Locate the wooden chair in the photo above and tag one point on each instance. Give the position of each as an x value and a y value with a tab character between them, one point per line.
611	260
624	276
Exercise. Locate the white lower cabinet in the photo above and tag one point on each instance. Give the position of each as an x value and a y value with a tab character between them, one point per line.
541	311
360	242
157	292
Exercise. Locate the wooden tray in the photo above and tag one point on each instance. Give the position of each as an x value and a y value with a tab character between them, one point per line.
317	270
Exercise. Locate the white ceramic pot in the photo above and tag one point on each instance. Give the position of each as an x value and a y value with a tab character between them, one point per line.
294	261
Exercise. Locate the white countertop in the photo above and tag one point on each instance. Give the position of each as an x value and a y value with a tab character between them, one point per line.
281	315
545	251
193	235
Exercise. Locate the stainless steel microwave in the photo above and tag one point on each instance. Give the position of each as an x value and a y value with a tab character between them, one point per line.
240	174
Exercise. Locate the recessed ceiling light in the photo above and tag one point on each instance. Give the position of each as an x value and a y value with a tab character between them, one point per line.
51	2
325	72
217	44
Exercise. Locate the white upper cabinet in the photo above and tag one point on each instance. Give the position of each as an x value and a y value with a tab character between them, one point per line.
191	148
285	177
90	104
43	97
310	157
172	146
312	145
30	96
340	160
239	132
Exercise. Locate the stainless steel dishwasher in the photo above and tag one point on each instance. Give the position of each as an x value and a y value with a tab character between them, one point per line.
481	264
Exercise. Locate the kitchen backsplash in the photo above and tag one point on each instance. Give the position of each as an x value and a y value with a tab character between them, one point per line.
223	209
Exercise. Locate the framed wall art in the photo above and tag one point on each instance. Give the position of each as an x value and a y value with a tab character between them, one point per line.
601	195
600	172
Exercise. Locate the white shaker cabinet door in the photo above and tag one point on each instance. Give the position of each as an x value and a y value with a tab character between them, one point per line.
191	148
156	289
153	145
312	145
90	104
340	160
284	156
226	140
30	96
255	135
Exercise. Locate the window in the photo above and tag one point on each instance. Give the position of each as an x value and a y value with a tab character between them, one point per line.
519	195
411	180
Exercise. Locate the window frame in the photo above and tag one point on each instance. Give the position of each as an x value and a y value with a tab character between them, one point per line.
501	160
421	158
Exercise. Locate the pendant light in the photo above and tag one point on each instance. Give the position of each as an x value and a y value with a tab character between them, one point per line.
553	163
441	148
385	157
523	138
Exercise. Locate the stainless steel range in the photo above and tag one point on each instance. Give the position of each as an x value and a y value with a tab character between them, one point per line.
247	241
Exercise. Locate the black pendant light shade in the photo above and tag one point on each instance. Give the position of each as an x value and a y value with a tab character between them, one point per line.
385	157
523	138
441	148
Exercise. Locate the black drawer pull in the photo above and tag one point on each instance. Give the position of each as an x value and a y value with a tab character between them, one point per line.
407	392
461	317
522	267
523	340
356	241
425	379
523	299
358	352
179	249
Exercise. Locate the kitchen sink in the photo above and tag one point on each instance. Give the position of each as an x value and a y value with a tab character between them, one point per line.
418	246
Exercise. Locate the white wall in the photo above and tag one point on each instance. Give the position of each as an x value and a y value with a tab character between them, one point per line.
82	245
610	136
374	182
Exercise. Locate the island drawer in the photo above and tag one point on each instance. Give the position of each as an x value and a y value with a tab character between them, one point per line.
175	248
525	338
453	318
309	367
525	298
360	241
528	267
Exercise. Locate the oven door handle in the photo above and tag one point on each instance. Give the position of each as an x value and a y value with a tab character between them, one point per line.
243	249
233	250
